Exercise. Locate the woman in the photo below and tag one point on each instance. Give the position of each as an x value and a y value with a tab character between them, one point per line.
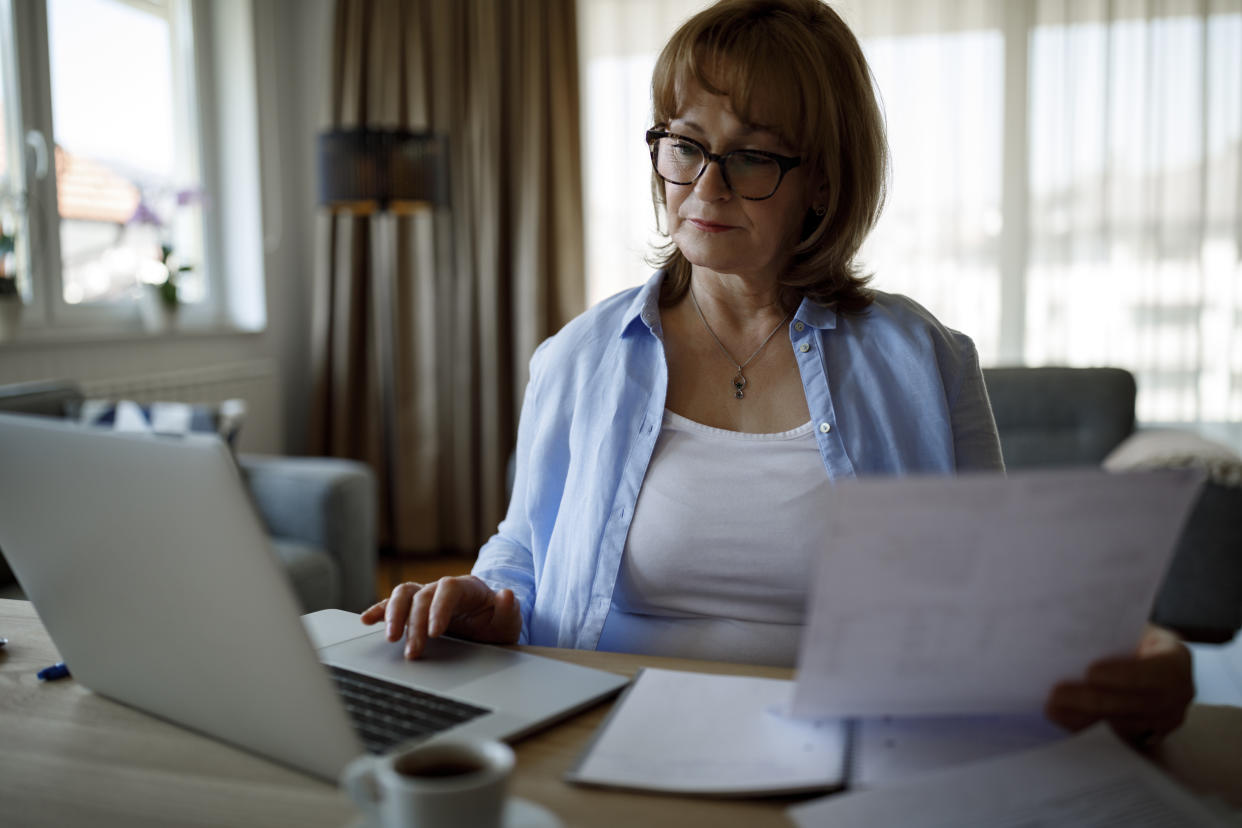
678	441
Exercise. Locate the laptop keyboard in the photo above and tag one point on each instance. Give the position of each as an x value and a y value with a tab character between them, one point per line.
385	713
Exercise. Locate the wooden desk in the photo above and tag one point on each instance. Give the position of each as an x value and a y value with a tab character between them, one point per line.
69	757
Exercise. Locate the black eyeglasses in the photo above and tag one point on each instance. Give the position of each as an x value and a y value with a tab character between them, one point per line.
751	174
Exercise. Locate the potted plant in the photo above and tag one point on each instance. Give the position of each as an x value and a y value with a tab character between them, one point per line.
10	296
160	301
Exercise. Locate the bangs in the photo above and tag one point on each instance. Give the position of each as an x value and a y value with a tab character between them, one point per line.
757	61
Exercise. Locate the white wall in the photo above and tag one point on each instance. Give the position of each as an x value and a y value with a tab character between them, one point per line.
292	61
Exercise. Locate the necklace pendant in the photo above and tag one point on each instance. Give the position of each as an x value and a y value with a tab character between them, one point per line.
739	383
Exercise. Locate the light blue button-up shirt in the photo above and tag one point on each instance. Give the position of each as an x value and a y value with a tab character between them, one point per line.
891	391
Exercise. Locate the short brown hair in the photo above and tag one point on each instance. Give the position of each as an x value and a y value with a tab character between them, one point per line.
795	67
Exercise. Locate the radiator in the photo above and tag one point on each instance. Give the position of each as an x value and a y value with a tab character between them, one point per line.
255	381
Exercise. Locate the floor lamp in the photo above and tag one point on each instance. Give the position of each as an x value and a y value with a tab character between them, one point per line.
383	174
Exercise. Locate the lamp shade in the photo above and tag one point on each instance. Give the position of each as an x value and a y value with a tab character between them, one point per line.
367	170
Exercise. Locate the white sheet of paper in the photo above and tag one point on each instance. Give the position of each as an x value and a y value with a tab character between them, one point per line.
696	733
1091	780
977	593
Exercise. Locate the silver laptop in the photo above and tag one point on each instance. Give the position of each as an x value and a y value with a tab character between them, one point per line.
153	575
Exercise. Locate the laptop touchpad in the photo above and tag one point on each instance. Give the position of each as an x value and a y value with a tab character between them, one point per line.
446	663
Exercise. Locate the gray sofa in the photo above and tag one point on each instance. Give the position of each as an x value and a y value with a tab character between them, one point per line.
320	512
1085	416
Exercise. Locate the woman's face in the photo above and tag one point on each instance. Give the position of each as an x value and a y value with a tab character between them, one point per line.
713	227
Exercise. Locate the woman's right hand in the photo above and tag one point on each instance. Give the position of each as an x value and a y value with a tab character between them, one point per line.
463	606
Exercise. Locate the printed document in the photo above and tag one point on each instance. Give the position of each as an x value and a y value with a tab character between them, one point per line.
975	594
1091	780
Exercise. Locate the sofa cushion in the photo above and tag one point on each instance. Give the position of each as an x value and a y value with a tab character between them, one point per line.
313	573
1060	416
165	418
1166	448
1201	597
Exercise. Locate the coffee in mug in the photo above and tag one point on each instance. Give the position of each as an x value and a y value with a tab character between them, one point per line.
451	782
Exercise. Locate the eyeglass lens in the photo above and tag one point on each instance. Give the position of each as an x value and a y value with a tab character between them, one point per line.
748	174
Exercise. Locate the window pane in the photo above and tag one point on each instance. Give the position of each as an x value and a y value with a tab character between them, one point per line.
126	186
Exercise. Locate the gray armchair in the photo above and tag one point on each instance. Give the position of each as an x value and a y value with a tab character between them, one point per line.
1085	416
319	511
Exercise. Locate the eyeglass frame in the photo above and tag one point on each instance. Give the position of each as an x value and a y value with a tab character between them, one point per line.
784	162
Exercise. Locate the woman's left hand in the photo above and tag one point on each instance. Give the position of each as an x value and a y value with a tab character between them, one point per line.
1144	696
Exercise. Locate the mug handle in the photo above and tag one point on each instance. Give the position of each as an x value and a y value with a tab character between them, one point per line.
358	780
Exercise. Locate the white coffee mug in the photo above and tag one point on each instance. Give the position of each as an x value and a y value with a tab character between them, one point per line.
453	782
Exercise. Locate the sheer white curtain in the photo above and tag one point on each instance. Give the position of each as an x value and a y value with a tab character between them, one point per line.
1135	196
1066	182
619	41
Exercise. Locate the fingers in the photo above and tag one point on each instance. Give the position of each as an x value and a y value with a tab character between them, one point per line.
444	602
1142	717
374	613
508	617
423	611
1154	670
1062	713
462	605
1158	640
1099	703
397	609
416	622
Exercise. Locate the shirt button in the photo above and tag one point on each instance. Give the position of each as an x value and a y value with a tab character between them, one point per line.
824	428
804	347
798	326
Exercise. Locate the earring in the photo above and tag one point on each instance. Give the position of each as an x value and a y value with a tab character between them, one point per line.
819	210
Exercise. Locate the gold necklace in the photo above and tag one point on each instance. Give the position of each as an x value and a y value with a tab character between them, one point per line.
739	379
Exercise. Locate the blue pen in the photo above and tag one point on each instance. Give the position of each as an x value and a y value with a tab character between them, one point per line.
56	671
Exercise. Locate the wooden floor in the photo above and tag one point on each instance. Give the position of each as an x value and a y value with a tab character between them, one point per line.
393	570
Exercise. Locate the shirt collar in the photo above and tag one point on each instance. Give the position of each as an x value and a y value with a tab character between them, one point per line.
816	315
644	309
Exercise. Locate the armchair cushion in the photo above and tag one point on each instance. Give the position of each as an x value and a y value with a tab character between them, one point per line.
315	579
323	502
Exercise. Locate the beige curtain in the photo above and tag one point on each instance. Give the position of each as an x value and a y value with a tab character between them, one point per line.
424	324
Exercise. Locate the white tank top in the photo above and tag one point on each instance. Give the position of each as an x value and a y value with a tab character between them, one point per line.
726	529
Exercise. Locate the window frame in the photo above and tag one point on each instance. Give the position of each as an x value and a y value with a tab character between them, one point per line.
47	316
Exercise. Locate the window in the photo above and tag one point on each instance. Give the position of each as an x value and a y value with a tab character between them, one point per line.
104	160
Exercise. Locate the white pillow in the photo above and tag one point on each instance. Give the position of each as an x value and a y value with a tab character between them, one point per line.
1159	448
